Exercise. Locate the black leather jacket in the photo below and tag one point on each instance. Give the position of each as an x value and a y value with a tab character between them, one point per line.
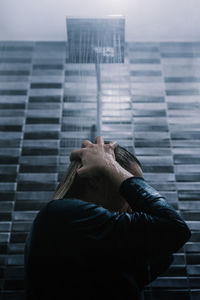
79	250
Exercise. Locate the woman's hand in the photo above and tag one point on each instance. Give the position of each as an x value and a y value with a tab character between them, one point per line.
94	157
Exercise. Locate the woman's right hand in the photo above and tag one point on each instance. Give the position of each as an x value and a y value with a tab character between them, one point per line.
95	158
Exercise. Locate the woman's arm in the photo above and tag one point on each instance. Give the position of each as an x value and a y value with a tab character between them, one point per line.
166	231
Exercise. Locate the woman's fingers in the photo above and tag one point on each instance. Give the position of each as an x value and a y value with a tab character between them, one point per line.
113	144
76	154
100	140
86	143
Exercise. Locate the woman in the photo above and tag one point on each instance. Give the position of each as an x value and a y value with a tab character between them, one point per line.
105	234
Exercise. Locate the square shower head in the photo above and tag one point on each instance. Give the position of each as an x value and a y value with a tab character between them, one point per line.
96	40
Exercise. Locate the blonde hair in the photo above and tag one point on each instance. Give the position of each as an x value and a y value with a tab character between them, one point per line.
71	186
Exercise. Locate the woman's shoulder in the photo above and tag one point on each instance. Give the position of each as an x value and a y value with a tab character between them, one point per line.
63	202
68	208
73	203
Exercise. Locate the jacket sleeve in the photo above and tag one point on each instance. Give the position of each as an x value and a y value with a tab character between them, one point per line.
166	234
162	228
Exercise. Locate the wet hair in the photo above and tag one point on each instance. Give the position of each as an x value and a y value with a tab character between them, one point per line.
72	186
